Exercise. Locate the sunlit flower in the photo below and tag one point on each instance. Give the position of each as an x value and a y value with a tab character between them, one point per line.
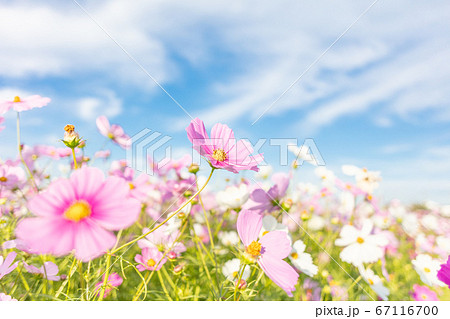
222	150
269	251
427	268
114	132
302	260
79	214
361	246
233	197
151	259
229	238
5	297
49	270
264	172
231	270
270	200
316	223
11	176
423	293
114	280
375	283
366	180
23	104
7	266
163	239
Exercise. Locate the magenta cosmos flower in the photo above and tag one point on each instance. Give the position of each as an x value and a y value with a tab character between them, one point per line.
444	273
114	132
79	214
19	105
7	266
423	293
222	150
114	280
262	201
269	251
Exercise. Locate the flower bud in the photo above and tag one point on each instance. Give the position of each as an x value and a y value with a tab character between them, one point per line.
181	215
287	204
193	168
172	255
242	284
178	268
71	138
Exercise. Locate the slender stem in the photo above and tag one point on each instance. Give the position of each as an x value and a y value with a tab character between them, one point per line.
239	281
19	146
161	280
168	218
82	281
75	165
105	281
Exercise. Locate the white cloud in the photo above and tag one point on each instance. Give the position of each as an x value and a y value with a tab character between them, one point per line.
106	103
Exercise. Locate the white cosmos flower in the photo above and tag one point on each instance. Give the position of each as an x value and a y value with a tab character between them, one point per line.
361	246
233	197
231	270
346	203
430	222
445	211
375	283
427	268
229	238
301	154
443	243
269	223
264	172
301	260
382	222
316	223
365	180
410	224
326	175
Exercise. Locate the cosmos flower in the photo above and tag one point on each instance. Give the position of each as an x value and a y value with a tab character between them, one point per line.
79	214
164	238
114	280
444	273
222	150
269	201
366	180
113	132
7	266
5	297
301	260
18	104
151	259
427	268
231	270
229	238
11	175
233	197
375	283
49	270
269	251
423	293
361	246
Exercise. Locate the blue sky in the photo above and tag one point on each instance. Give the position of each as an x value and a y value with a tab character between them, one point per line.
378	98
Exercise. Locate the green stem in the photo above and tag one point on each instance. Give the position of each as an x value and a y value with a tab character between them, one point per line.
167	219
241	272
105	281
164	286
75	165
19	146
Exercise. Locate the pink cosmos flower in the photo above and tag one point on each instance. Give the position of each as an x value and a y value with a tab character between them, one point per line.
79	214
7	266
268	201
49	270
444	273
151	259
114	280
5	297
163	238
20	105
1	122
102	154
222	150
423	293
114	132
11	176
269	251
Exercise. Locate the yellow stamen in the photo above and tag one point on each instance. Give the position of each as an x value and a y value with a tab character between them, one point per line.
370	281
17	99
424	296
359	240
131	185
219	155
78	211
151	263
69	128
3	179
294	255
427	269
235	274
110	135
265	232
254	249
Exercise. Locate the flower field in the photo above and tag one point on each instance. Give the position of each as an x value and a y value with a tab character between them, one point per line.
84	233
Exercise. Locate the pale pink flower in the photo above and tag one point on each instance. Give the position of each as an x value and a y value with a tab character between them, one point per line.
114	280
19	105
5	297
162	238
114	132
102	154
11	176
79	214
222	150
7	265
269	201
49	270
151	259
269	251
423	293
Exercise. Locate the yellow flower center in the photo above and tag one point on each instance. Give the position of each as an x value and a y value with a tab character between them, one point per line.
359	240
17	99
69	128
219	155
235	274
151	263
3	179
294	255
110	135
370	281
427	269
424	296
131	185
78	211
254	249
265	233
